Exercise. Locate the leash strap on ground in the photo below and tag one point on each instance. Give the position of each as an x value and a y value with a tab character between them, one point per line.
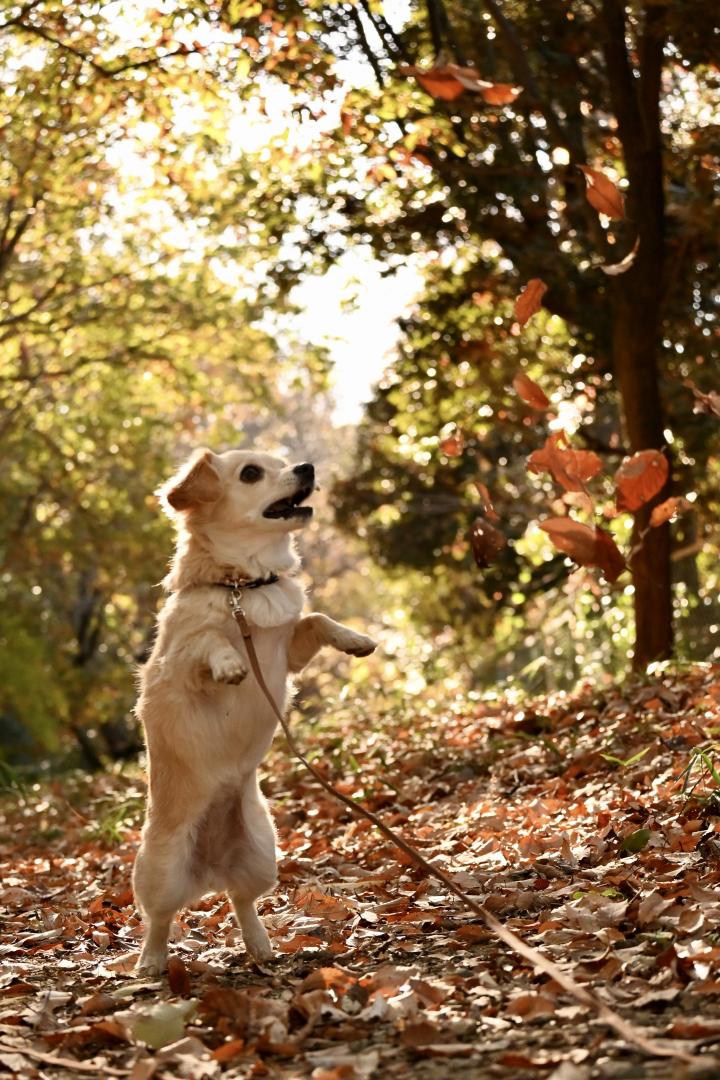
623	1028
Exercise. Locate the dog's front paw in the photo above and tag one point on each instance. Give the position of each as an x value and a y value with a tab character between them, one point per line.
357	645
228	669
257	943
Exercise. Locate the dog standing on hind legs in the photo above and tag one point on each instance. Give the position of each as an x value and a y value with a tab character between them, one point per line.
207	724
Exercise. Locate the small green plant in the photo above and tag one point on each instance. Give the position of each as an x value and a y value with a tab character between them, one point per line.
703	768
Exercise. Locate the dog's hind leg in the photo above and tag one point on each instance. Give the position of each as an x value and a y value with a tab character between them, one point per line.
255	872
162	886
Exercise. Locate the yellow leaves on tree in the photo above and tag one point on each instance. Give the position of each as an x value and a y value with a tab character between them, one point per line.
602	194
640	478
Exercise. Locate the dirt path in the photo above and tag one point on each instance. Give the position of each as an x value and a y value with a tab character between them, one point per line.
608	868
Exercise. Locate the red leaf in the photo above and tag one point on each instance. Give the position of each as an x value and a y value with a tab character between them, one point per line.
640	477
486	541
569	468
530	392
530	300
602	194
585	545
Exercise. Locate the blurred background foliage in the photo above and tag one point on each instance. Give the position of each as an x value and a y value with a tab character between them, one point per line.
155	218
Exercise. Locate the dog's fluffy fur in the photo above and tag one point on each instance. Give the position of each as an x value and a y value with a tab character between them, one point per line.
206	721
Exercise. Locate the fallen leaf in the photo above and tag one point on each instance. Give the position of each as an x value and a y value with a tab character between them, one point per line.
530	300
640	478
178	976
486	542
163	1023
602	194
635	841
585	545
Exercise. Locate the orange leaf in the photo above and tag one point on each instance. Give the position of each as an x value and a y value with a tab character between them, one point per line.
664	511
640	477
451	80
501	93
602	194
488	508
439	82
453	445
569	468
530	392
530	300
585	545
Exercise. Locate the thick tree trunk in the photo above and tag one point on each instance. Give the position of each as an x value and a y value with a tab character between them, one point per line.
637	300
635	345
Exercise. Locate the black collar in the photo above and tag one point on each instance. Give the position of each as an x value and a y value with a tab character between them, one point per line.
247	583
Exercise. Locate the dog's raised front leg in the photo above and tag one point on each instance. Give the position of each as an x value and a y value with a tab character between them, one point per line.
316	630
212	649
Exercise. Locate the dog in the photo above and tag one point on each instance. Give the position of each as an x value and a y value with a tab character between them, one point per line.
207	724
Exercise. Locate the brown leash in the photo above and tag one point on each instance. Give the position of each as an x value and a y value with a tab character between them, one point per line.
549	967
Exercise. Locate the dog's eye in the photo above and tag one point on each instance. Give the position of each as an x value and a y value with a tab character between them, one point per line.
250	474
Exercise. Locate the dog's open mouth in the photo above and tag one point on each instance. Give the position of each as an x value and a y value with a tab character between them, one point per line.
290	506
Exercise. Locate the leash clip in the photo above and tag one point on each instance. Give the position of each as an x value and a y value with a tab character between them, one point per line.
238	611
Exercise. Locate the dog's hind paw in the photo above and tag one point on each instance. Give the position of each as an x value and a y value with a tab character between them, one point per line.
151	964
229	669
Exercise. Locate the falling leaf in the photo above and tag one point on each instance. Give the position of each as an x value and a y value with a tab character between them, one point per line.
453	445
530	300
486	542
570	468
602	194
620	267
487	503
449	81
640	478
178	977
530	392
676	504
706	403
587	546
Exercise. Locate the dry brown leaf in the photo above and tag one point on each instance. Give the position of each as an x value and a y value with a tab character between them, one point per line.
570	468
530	300
178	976
707	403
640	478
586	545
530	392
486	542
602	194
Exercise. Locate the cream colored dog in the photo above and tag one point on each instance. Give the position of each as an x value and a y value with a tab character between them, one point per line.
206	721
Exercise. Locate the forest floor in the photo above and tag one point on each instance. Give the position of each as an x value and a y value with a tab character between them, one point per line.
588	823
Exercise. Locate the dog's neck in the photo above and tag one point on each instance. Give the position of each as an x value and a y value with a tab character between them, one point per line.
207	555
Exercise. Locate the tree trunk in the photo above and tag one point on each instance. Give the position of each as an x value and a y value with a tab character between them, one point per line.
634	87
635	343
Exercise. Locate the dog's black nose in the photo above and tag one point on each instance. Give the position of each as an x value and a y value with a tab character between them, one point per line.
306	472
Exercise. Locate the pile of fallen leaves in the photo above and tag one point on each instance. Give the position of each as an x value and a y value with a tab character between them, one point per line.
590	824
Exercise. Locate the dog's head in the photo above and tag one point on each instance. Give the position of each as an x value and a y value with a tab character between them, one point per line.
241	489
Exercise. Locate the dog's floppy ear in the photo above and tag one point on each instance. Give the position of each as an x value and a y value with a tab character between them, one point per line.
196	482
